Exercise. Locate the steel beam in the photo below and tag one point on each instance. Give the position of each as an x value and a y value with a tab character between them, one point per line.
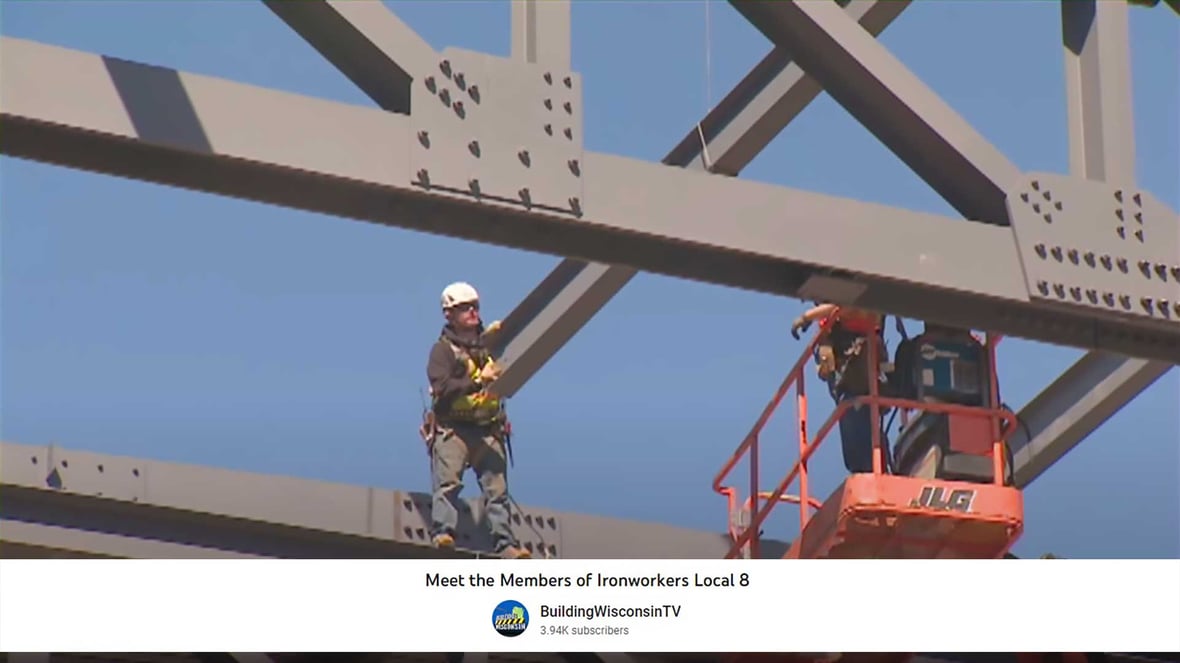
1075	405
1101	147
890	101
366	41
70	503
766	100
541	32
1098	90
154	124
910	119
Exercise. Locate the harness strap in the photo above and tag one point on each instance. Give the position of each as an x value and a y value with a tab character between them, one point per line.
897	322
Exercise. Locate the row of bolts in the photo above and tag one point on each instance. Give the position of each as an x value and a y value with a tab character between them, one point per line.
1148	303
1109	263
1108	298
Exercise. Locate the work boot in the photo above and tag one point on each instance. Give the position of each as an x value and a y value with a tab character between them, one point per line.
443	540
515	552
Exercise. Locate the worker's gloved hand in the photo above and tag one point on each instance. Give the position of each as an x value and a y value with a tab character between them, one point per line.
800	324
492	329
490	373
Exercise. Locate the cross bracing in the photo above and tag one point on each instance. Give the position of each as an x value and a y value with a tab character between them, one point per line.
1086	260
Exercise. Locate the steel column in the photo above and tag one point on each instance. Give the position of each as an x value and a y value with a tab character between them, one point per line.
891	102
1101	147
1098	90
735	131
541	32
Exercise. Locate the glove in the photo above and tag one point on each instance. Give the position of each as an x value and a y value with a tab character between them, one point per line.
492	329
490	373
799	325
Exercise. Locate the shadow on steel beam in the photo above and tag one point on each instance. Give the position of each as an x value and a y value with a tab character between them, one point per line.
158	105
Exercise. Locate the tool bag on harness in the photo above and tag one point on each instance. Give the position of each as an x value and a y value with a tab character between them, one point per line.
481	408
841	356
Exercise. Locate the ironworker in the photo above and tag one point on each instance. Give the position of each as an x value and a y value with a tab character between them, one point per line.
466	424
842	361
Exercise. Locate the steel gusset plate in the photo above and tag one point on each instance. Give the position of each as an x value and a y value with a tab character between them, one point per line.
1099	246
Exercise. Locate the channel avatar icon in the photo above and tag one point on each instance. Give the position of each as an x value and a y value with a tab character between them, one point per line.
510	619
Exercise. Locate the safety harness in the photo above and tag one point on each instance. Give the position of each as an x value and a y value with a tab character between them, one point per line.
478	409
845	334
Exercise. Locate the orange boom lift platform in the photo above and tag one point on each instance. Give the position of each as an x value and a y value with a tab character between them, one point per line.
949	496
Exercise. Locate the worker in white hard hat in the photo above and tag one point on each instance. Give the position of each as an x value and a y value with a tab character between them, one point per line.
467	424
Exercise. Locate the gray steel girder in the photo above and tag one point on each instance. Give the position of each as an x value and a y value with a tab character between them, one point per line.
1074	405
891	102
68	502
770	96
353	35
156	124
541	32
1120	258
1102	147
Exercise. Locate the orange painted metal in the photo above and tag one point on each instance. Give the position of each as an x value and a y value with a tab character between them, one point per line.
876	515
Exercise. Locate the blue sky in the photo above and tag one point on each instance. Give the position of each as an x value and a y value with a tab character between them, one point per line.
167	324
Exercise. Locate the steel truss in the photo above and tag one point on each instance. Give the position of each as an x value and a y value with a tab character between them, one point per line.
471	145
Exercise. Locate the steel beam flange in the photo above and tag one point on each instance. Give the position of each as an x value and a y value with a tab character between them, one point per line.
83	473
538	531
411	518
499	131
1097	245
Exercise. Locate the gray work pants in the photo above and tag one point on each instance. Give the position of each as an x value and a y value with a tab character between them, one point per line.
455	448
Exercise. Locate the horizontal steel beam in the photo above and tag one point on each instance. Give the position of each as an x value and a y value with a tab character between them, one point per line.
86	111
761	105
878	90
75	502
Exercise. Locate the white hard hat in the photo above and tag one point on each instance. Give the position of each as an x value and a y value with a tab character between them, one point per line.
458	293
